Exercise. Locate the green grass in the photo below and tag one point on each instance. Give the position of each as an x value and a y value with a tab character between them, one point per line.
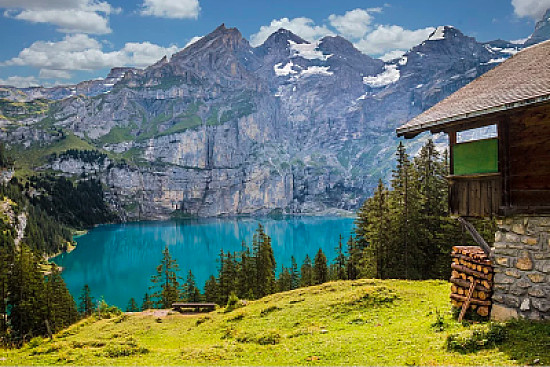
117	134
364	322
15	111
182	124
36	154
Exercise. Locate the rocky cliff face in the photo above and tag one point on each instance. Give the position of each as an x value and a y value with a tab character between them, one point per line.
222	128
542	30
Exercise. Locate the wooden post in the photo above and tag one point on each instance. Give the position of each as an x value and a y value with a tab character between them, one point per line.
451	189
504	160
452	143
467	303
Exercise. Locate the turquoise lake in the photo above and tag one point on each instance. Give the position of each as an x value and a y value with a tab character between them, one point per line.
117	261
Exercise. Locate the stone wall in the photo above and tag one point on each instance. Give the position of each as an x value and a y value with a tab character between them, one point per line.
522	268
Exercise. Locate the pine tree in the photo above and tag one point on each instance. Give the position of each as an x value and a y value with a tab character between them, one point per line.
6	262
373	228
86	305
61	307
211	290
147	303
132	305
26	302
431	172
284	283
165	282
294	274
320	268
340	261
190	291
264	263
227	277
354	258
306	273
246	273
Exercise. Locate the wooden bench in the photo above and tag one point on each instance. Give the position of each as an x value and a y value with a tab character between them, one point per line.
196	307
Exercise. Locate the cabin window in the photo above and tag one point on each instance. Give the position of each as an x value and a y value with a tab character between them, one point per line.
485	132
476	151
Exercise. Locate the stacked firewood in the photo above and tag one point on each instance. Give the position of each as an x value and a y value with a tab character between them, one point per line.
471	279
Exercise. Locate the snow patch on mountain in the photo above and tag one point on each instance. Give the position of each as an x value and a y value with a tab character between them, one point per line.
495	61
319	70
307	51
389	76
438	34
285	70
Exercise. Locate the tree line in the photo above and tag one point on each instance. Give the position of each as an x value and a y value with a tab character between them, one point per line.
78	205
33	301
405	230
247	274
402	231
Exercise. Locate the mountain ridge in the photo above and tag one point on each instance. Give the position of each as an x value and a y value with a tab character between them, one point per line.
222	128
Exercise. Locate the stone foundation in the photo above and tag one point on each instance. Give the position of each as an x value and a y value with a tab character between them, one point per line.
522	268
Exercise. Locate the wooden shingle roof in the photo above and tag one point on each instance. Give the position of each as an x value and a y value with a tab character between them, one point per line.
521	80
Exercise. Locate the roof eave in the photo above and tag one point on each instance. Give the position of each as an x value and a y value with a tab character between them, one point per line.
411	132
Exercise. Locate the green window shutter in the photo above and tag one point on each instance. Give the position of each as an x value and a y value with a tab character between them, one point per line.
474	157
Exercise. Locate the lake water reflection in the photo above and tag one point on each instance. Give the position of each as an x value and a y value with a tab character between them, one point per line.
117	261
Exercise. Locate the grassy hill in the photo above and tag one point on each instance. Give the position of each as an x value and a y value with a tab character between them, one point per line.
362	322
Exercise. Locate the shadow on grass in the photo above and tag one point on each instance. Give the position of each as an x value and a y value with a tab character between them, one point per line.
528	342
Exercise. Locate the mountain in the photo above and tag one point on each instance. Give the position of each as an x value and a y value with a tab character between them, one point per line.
222	128
88	88
542	30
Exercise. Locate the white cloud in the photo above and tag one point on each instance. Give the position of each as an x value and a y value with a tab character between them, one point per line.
54	74
386	38
354	23
392	55
192	40
71	16
384	41
145	53
81	52
530	8
178	9
303	27
20	81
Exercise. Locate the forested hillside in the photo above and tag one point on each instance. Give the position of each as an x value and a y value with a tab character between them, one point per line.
37	221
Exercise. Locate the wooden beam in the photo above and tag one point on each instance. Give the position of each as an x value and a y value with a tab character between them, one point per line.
468	300
452	143
475	235
504	158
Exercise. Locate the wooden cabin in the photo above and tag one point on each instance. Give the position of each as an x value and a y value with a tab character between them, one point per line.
499	137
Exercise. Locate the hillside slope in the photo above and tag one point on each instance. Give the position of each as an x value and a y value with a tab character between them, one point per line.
362	322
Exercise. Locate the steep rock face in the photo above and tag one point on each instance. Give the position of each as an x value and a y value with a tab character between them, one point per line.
542	30
222	128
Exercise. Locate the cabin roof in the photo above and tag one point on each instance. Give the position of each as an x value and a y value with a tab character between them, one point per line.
522	80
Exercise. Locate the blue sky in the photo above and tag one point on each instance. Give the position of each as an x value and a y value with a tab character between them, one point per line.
50	42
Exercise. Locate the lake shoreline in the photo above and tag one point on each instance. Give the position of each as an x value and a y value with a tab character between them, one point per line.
117	260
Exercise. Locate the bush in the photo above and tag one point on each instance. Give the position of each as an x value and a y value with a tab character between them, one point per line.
232	302
104	311
123	350
35	342
439	324
269	338
267	311
476	339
